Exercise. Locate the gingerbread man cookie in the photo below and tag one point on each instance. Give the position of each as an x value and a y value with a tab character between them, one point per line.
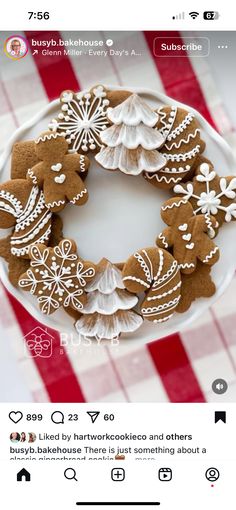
155	272
58	172
22	206
186	235
24	157
57	276
211	194
182	146
196	285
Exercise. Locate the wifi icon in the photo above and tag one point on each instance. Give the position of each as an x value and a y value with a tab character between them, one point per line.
194	14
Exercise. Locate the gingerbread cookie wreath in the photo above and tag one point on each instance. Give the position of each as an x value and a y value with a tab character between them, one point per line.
48	174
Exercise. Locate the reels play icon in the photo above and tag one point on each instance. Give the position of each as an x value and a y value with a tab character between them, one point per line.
165	474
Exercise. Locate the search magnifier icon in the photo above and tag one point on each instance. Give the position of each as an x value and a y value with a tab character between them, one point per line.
70	474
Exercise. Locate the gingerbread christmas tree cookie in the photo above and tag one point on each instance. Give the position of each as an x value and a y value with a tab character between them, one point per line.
109	308
57	276
187	235
183	144
131	141
58	172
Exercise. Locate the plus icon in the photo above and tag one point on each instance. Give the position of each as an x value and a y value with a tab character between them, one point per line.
118	474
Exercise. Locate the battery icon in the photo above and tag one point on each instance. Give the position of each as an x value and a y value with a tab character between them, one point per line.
211	15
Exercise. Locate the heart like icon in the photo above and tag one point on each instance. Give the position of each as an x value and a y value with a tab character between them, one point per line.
15	416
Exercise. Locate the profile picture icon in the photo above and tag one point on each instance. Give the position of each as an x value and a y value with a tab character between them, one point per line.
15	437
31	437
16	47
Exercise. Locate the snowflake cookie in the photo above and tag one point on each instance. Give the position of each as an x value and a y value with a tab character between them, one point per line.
82	119
211	194
58	172
183	145
187	235
57	276
155	272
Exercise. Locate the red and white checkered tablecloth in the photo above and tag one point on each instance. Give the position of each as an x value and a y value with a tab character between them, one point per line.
178	368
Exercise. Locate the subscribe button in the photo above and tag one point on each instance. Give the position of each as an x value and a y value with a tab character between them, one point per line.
176	47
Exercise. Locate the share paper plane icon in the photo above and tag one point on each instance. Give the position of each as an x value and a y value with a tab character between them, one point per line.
93	415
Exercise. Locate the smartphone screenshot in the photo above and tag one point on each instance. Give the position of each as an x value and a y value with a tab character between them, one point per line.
117	256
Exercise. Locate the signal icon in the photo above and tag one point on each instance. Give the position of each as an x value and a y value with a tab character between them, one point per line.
194	14
181	15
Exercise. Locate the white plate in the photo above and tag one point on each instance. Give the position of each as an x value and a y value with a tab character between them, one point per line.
123	215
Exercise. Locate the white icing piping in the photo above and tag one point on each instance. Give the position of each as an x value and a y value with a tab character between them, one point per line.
184	265
32	176
163	239
34	231
161	308
133	278
82	163
48	136
162	178
208	257
33	216
174	269
160	296
55	203
77	197
174	204
16	208
143	265
182	157
24	251
164	319
181	127
183	140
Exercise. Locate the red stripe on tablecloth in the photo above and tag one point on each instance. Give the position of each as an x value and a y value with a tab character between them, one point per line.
174	367
56	72
178	76
56	372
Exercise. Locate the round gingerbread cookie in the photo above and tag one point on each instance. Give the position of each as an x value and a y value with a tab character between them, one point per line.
156	272
182	146
22	206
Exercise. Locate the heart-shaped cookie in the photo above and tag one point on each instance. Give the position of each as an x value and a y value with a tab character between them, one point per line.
59	179
57	167
183	227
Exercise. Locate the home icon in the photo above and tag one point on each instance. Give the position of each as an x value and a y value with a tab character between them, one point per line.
23	475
